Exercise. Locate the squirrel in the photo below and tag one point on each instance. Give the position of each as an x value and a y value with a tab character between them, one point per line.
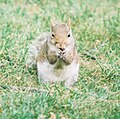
55	55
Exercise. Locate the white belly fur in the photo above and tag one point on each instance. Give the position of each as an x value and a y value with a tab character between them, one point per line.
47	73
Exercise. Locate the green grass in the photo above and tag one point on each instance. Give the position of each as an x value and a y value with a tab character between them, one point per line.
96	27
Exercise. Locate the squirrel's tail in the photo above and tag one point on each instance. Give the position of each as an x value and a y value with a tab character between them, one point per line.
34	48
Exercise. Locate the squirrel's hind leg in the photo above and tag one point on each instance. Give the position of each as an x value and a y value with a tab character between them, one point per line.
70	82
72	75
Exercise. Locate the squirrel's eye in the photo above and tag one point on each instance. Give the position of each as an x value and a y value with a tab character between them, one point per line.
52	35
68	35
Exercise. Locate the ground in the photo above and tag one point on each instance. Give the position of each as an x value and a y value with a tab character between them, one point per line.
96	28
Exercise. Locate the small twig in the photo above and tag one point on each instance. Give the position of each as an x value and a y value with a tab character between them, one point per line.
16	88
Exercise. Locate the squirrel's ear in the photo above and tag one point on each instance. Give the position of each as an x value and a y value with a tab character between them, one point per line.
69	22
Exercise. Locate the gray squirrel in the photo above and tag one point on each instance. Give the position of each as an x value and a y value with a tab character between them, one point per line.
55	55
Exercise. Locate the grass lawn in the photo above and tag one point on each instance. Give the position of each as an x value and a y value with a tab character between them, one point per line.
96	28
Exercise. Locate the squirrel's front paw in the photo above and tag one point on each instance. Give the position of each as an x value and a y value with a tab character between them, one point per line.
52	58
67	57
61	54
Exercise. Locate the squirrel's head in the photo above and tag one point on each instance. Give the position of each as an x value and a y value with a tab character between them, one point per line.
61	35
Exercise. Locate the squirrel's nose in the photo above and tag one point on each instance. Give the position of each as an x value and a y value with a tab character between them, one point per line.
62	49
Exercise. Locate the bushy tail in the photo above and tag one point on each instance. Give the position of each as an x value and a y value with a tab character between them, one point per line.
34	48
